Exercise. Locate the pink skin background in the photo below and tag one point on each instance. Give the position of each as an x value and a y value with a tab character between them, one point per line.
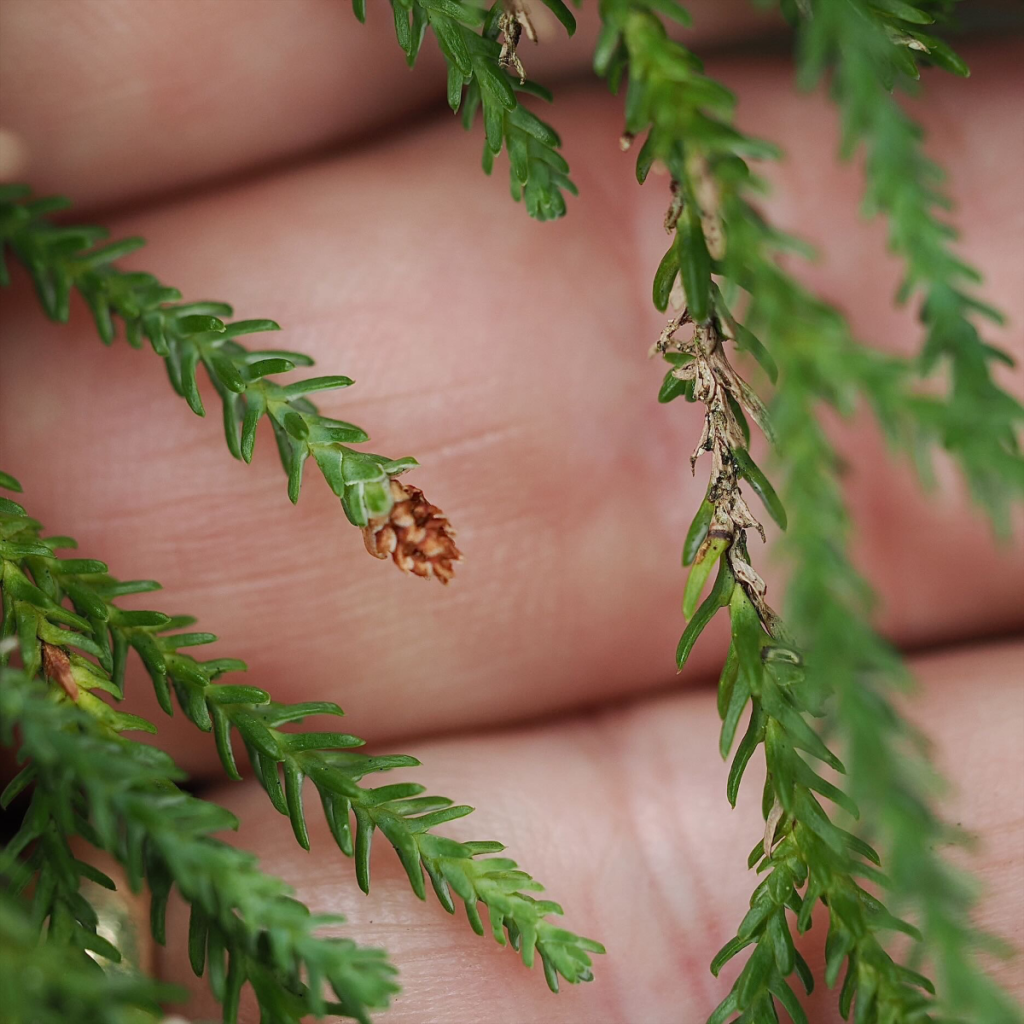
281	157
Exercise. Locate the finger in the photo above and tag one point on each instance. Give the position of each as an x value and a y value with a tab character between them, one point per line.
118	99
535	419
13	156
629	829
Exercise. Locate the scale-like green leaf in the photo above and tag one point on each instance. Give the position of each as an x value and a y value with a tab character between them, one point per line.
750	472
694	264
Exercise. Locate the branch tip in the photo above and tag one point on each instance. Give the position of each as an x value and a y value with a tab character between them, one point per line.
416	535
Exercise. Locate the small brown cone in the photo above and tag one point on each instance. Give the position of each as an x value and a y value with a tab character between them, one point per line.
416	535
57	666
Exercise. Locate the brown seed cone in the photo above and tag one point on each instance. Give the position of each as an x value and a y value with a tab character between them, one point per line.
57	666
416	535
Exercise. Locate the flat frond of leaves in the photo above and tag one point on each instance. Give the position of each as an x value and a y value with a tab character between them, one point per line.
466	36
187	335
36	585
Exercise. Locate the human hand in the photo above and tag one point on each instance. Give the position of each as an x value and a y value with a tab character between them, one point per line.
507	356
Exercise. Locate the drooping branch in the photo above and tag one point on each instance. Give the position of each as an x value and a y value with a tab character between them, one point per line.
187	335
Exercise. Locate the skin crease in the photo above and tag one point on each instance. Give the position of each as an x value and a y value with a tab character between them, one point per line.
544	452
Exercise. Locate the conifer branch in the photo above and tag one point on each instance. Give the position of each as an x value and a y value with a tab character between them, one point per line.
783	687
824	658
806	856
829	606
186	335
244	925
52	983
477	81
871	50
718	233
35	585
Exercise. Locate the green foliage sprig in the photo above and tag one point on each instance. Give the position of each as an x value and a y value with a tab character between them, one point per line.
717	233
36	584
806	857
50	983
185	335
871	50
824	659
466	36
244	925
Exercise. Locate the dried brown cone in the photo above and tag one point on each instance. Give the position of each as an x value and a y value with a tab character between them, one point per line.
416	535
57	666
